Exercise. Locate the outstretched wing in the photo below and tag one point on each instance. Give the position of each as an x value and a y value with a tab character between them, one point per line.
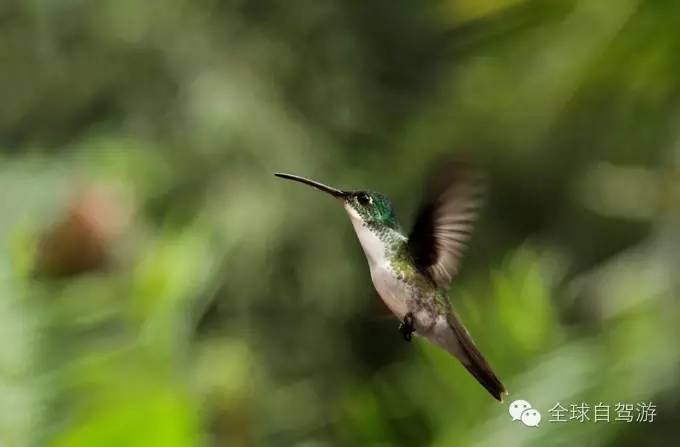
445	221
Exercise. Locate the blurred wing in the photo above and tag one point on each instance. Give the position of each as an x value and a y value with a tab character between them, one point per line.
445	221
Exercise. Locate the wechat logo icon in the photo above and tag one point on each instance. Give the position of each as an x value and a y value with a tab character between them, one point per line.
521	410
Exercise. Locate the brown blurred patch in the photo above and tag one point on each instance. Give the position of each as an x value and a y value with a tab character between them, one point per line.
84	238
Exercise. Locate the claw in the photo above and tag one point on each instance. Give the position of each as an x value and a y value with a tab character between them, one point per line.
406	327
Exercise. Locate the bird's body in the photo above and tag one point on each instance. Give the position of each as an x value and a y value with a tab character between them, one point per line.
403	289
410	275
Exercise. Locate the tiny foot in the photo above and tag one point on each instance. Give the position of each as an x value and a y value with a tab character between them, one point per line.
406	327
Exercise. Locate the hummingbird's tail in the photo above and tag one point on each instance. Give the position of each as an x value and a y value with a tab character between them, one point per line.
458	342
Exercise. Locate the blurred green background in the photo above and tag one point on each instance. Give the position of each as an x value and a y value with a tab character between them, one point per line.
160	287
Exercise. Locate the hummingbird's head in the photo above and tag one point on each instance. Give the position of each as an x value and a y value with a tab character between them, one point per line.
371	208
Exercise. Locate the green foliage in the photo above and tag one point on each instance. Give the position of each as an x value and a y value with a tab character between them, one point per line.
160	287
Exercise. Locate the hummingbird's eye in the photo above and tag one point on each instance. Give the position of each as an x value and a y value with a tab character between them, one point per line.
364	199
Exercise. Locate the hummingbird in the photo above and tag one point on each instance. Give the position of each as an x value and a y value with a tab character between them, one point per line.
412	273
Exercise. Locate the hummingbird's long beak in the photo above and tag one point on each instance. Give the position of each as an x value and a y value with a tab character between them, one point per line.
337	193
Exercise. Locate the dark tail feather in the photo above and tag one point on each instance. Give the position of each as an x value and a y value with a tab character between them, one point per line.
474	362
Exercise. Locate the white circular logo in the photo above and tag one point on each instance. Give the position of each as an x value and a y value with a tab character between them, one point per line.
521	410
